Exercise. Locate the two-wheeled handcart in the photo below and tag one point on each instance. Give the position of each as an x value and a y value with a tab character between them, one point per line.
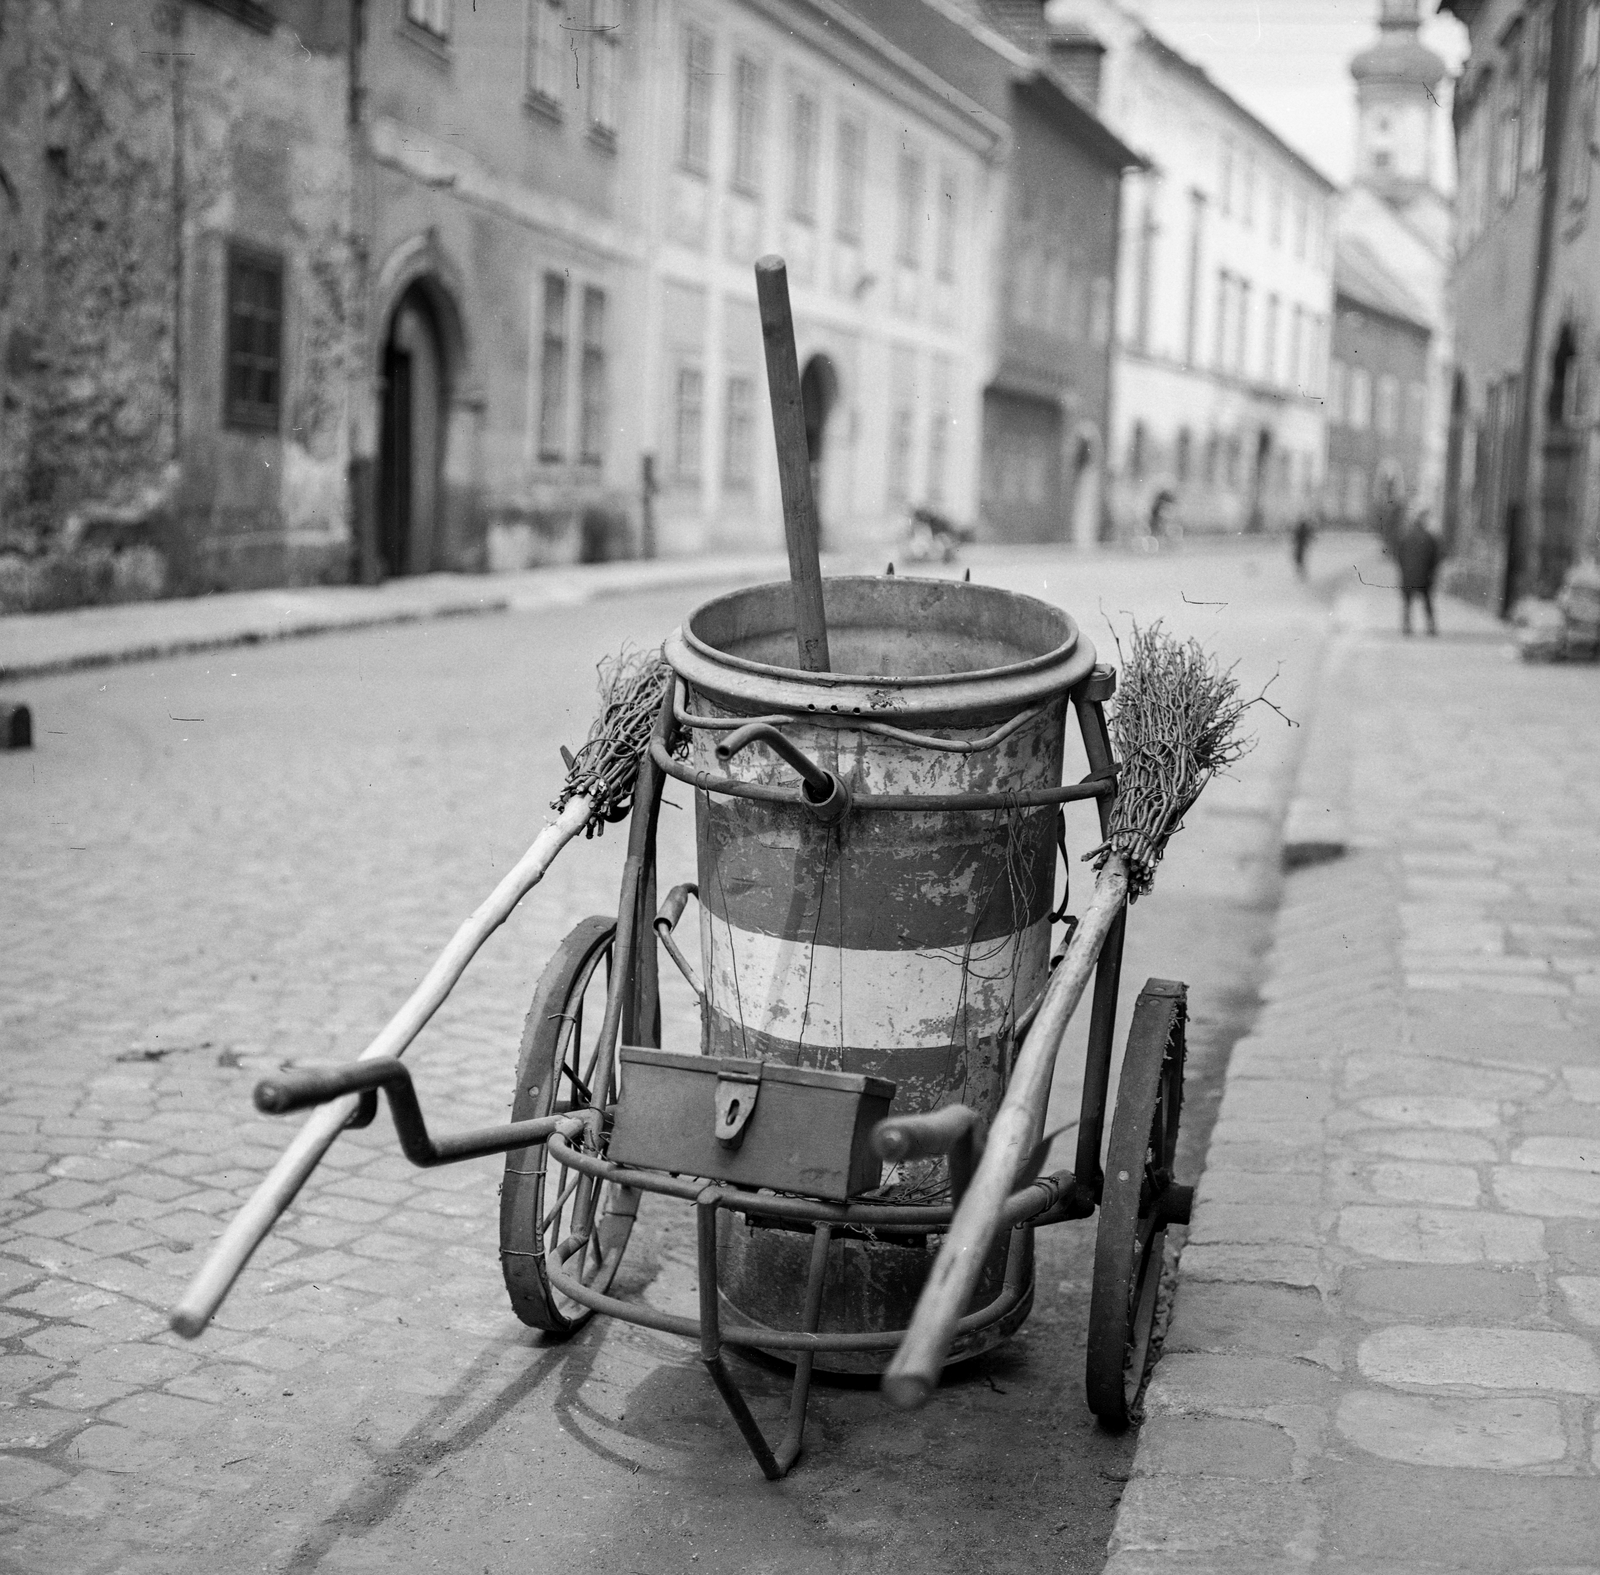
876	766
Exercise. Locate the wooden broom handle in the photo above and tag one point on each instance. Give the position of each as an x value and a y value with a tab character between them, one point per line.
794	463
912	1375
249	1227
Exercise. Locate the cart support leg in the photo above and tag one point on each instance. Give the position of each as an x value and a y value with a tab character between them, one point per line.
711	1338
794	1437
773	1466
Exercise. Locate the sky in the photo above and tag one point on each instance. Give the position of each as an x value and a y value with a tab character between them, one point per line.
1287	61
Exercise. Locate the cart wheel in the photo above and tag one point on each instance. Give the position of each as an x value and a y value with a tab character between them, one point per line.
1132	1232
544	1204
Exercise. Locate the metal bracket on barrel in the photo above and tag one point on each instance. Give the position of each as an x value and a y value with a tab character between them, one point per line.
736	1096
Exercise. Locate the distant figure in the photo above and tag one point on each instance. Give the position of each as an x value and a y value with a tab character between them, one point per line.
1163	501
1417	553
1304	531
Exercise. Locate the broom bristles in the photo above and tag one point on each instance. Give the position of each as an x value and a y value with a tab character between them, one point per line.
604	770
1175	724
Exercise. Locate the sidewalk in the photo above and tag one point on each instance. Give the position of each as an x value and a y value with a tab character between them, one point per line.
1385	1351
32	644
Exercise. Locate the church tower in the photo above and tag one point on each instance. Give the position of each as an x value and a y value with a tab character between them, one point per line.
1396	97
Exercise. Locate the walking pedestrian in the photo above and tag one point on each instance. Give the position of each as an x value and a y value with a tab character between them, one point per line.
1304	531
1417	553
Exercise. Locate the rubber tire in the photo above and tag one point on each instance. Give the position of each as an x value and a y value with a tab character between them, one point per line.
522	1249
1130	1238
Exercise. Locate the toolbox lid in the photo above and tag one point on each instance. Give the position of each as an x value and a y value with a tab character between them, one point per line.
767	1071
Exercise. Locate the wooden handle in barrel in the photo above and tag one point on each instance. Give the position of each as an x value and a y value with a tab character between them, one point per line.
800	530
914	1372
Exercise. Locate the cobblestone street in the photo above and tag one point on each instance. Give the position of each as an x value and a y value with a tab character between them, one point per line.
219	864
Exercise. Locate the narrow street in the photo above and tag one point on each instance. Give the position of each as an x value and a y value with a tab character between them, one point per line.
220	864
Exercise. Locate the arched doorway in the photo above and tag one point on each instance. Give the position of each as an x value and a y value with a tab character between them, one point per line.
411	443
819	395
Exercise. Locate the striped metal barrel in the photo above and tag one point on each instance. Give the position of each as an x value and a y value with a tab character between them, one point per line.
905	944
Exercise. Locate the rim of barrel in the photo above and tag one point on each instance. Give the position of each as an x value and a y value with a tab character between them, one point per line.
979	696
975	675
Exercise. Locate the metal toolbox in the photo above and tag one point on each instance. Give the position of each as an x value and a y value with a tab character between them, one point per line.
757	1123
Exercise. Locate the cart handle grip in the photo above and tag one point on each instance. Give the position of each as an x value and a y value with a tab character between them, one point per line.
279	1096
952	1129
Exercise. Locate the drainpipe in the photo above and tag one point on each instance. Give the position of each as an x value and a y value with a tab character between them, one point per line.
1523	522
361	471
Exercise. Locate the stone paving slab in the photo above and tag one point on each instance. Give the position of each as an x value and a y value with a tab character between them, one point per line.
1385	1348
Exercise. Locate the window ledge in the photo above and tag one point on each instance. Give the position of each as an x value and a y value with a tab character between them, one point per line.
744	189
430	44
694	172
542	105
603	137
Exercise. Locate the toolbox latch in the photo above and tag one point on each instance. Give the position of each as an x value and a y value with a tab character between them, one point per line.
735	1104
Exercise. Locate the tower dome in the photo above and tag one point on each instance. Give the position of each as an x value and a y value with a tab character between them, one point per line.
1395	80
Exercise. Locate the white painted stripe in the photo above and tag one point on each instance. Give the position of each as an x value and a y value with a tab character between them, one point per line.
869	1000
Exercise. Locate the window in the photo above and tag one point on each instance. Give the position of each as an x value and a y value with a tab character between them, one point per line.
1184	459
1338	375
1247	197
1581	120
1225	180
605	56
749	116
939	432
1386	411
803	124
1136	452
900	456
1100	313
688	413
1241	345
1358	416
1536	94
1296	327
1275	215
1219	347
1507	145
1231	461
945	237
850	187
432	16
1302	223
738	446
694	135
253	376
1416	408
1213	459
547	43
908	225
1269	342
592	424
553	370
1472	155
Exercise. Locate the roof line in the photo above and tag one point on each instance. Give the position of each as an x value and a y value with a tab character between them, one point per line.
1197	73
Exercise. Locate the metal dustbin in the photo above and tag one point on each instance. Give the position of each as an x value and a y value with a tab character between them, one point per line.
904	945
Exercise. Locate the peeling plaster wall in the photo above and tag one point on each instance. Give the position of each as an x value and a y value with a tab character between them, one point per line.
137	140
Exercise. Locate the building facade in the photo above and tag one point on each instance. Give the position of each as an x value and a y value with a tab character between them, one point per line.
1224	290
1378	393
1395	255
1522	491
803	131
178	297
392	287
